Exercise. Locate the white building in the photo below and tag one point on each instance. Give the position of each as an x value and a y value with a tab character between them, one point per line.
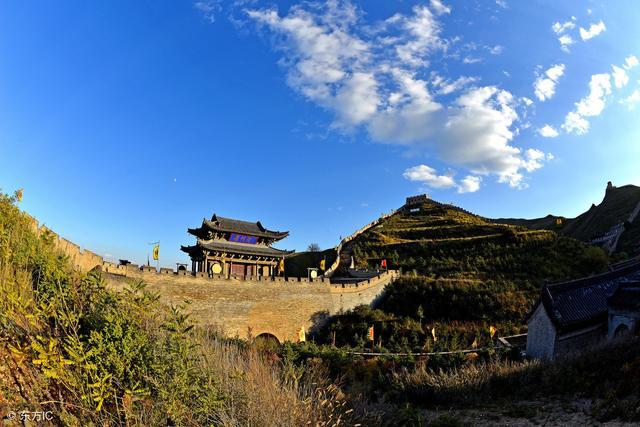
571	316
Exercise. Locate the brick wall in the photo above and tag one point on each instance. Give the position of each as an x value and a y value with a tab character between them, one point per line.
279	307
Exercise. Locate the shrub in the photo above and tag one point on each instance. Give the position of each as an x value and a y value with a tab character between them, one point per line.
94	356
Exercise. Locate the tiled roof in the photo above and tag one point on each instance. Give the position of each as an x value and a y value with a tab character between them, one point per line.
583	302
231	247
218	223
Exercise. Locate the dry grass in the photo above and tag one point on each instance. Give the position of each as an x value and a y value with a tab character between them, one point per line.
158	369
261	392
610	371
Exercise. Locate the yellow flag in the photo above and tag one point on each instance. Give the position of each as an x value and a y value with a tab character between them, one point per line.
19	194
281	266
370	333
322	264
433	334
492	330
156	252
301	335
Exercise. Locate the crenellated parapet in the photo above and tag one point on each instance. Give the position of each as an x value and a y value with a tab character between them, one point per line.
278	306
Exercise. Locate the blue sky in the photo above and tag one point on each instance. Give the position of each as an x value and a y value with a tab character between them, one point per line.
127	122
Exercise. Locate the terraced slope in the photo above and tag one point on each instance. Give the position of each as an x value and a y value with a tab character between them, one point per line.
444	242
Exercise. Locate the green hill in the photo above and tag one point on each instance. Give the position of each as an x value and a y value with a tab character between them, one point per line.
441	241
616	207
462	273
549	222
297	263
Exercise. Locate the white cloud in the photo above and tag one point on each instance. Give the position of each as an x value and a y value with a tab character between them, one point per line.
421	34
594	103
620	77
324	60
534	159
445	87
631	100
548	131
469	184
545	85
471	60
429	177
591	105
600	88
594	30
496	50
376	78
439	8
477	134
630	62
559	28
357	100
209	9
575	123
565	41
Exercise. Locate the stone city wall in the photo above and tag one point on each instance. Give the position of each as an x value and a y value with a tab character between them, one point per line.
353	235
278	306
82	259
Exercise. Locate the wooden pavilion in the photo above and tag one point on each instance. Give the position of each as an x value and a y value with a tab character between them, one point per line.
235	248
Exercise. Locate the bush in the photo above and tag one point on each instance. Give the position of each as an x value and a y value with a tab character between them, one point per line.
93	356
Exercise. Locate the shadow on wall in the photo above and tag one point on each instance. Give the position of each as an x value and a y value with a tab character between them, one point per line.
318	320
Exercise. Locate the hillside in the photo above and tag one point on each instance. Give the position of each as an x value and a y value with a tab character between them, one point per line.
549	222
462	273
297	263
615	209
444	242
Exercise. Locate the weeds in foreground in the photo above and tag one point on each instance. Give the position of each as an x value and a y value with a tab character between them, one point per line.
608	374
93	356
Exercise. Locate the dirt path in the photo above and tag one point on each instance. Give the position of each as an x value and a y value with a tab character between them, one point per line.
576	412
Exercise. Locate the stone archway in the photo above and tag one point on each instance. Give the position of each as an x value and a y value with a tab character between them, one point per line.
621	330
267	341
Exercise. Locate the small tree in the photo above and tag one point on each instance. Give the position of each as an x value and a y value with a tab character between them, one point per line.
313	247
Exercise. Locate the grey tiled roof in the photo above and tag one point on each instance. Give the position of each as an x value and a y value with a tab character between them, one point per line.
583	302
232	247
218	223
